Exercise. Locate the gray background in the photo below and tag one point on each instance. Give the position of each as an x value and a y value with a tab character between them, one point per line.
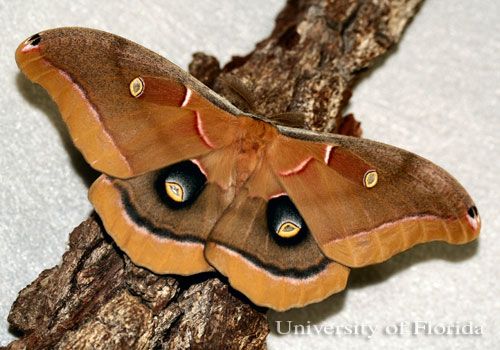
437	95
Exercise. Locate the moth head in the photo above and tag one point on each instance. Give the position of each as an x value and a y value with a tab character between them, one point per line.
180	184
284	221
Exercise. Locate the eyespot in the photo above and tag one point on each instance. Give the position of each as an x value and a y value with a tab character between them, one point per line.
180	184
370	179
137	87
284	221
472	212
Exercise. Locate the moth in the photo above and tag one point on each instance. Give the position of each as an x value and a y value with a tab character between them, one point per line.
191	183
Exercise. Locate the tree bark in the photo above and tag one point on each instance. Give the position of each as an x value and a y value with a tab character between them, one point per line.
97	298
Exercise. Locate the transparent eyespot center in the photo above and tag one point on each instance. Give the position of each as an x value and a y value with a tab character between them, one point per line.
137	87
174	191
288	229
286	225
370	179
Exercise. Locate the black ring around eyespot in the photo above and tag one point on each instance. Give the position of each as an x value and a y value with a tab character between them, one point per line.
279	210
187	175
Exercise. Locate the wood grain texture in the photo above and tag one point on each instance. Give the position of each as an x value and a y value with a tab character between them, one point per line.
96	298
309	63
315	54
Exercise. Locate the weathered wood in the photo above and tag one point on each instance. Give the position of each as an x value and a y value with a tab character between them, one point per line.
316	53
96	298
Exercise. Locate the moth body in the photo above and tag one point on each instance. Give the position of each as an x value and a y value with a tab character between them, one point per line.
191	184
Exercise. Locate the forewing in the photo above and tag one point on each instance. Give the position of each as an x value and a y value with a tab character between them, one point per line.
128	110
413	201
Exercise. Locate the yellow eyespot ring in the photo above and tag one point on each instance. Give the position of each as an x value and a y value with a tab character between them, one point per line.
174	191
288	229
370	179
137	87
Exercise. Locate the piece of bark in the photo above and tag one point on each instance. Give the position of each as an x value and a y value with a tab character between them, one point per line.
315	55
97	298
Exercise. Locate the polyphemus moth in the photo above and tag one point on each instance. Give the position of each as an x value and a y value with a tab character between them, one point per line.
191	183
